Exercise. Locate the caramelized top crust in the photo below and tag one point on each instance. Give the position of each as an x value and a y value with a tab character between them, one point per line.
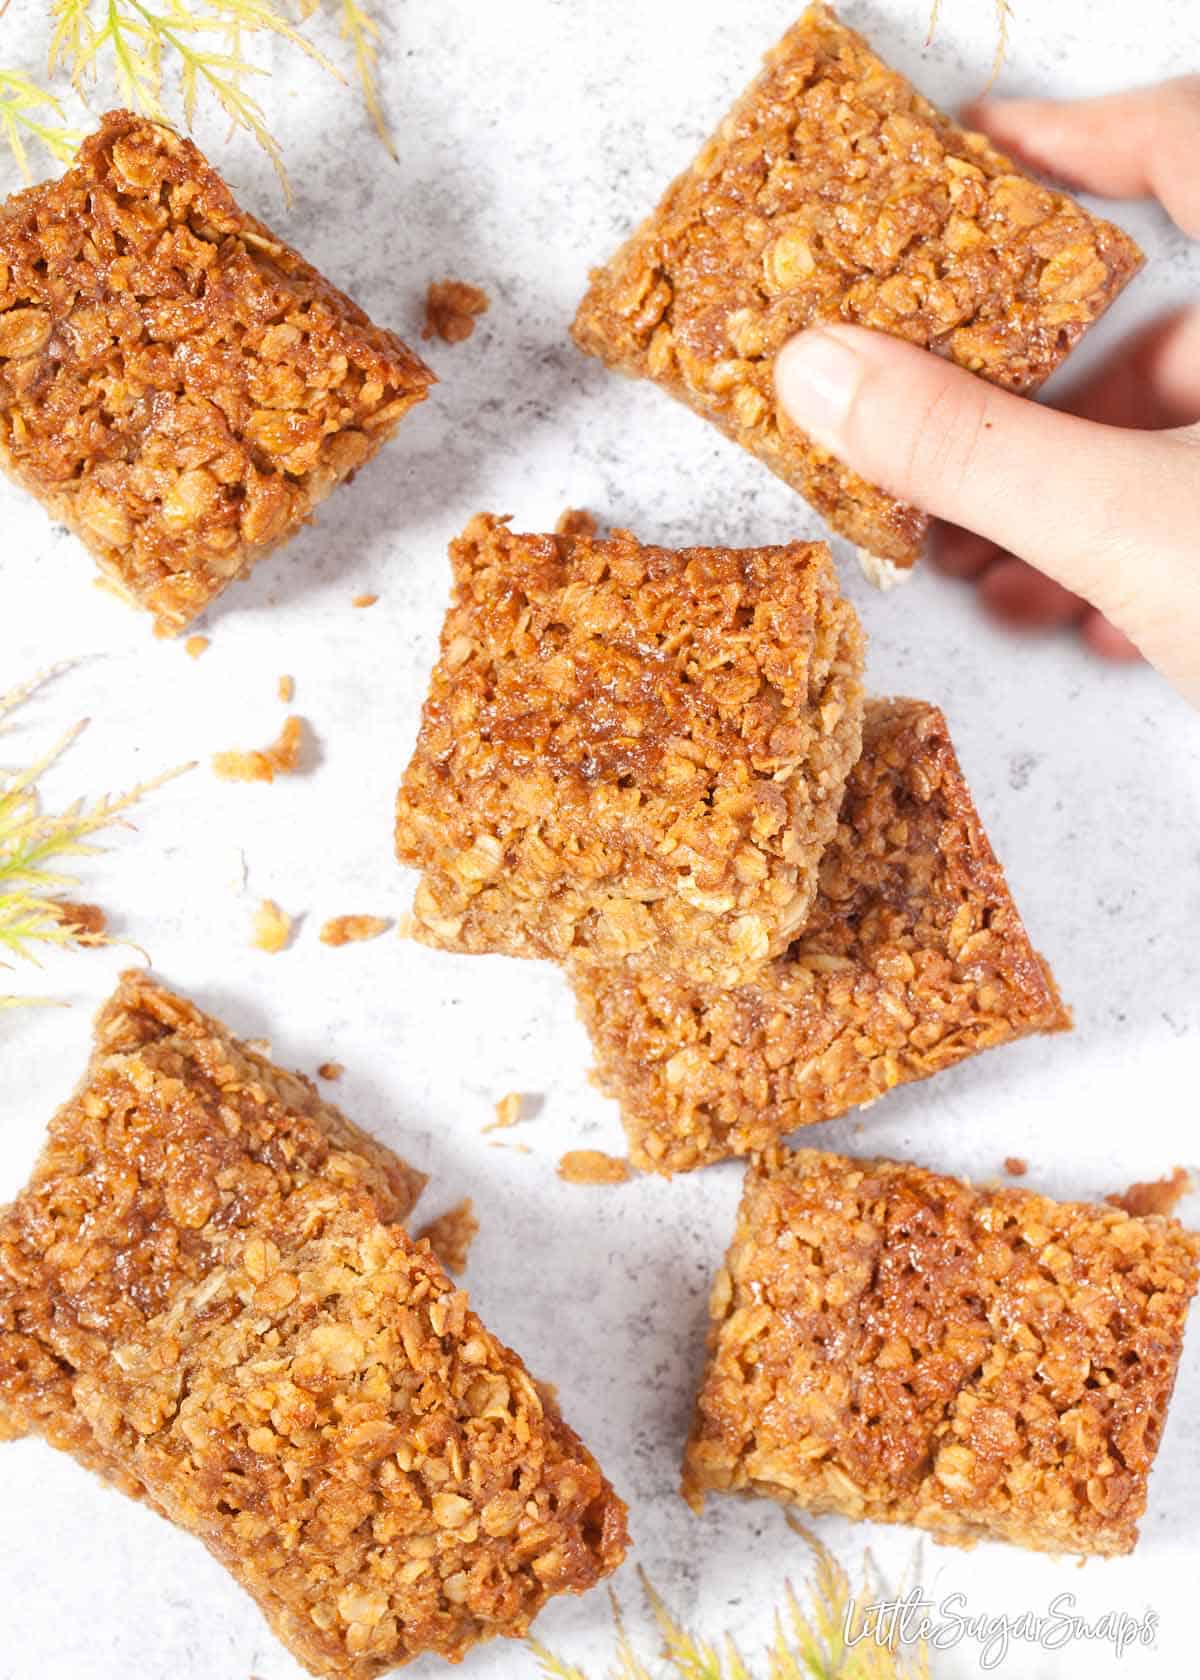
914	956
834	192
329	1416
178	1143
630	748
176	382
901	1346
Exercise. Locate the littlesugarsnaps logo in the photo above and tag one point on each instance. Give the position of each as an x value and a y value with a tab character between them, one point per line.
915	1619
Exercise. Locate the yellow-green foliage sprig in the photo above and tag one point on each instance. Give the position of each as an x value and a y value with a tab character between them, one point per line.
202	41
163	52
807	1642
36	844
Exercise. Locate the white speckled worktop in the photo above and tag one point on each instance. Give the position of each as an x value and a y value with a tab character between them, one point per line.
530	133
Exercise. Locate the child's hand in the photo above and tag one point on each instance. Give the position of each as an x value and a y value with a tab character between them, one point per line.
1092	515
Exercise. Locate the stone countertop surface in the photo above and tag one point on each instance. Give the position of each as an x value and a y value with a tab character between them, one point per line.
530	135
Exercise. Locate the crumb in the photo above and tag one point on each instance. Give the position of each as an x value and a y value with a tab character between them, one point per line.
451	1234
272	927
593	1166
364	600
350	930
1015	1167
195	646
576	522
331	1070
286	689
508	1112
404	925
450	309
263	764
86	923
883	575
1157	1195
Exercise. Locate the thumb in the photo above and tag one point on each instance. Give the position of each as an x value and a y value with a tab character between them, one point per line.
1110	514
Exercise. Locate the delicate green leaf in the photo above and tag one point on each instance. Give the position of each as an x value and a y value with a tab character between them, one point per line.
808	1641
1004	15
20	99
201	41
18	696
629	1664
37	847
553	1667
361	31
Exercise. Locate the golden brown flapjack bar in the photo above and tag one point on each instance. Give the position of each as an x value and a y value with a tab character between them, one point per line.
899	1346
378	1470
635	750
914	956
833	192
180	1142
204	1296
176	384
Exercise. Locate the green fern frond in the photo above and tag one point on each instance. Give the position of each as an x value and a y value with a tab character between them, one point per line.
37	848
690	1657
17	697
1004	17
20	99
202	41
816	1633
361	32
629	1665
808	1641
265	15
71	33
552	1667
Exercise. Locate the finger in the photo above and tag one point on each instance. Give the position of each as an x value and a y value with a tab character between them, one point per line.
1141	144
1106	640
1105	512
1044	485
1027	600
1153	382
962	554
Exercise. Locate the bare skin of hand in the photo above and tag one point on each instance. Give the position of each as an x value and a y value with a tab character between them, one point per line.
1088	515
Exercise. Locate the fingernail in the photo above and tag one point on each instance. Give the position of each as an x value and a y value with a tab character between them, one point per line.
817	378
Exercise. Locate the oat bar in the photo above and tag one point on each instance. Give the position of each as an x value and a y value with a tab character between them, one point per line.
898	1346
329	1416
176	384
834	192
914	957
180	1142
636	750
